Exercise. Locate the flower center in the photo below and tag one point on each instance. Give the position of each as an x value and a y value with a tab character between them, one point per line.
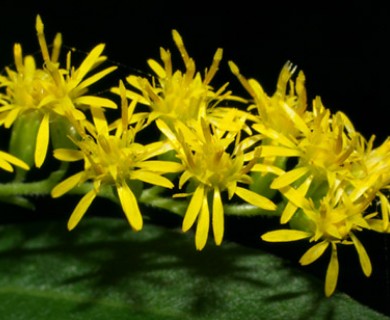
30	90
214	167
108	158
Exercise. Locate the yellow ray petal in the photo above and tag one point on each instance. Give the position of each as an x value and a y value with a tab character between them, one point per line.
203	225
285	235
164	128
161	166
314	253
80	209
277	151
363	256
184	178
291	208
134	81
99	119
296	197
157	68
42	141
96	77
11	117
385	210
12	159
296	119
67	154
46	101
218	217
193	208
289	177
279	137
67	184
152	178
288	212
332	273
6	166
88	63
130	206
255	199
96	102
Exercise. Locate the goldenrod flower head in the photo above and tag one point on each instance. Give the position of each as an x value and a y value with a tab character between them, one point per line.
50	90
284	111
212	166
371	173
333	221
115	160
328	144
180	95
323	152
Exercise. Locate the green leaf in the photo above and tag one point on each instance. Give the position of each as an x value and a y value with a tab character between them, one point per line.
104	270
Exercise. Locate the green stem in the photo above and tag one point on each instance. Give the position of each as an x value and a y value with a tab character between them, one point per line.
42	187
151	197
18	201
248	210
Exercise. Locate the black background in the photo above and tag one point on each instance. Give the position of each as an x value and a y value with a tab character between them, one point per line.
342	49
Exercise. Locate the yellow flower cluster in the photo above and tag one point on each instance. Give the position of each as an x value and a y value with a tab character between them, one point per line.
49	92
212	155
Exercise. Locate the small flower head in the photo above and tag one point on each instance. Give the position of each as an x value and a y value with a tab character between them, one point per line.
50	91
212	166
323	152
114	160
331	222
284	111
181	95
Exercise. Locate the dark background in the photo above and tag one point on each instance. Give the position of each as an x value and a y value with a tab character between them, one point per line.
342	49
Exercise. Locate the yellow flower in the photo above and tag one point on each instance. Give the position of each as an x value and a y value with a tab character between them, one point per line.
336	178
114	160
212	166
332	222
185	96
51	91
280	119
323	152
285	111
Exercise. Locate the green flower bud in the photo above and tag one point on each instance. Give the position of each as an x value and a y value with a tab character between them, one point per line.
23	137
62	132
300	221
